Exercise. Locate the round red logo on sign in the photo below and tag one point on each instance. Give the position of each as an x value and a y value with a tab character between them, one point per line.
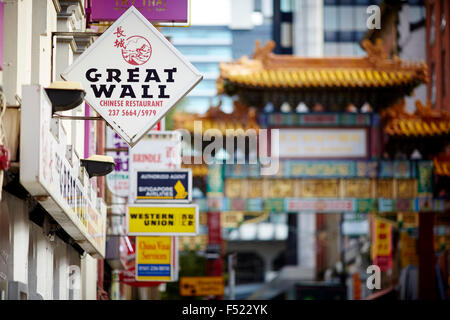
137	50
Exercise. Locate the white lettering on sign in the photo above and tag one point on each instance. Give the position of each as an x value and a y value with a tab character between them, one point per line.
133	76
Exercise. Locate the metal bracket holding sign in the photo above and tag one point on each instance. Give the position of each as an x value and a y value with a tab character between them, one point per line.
156	259
156	186
162	220
133	76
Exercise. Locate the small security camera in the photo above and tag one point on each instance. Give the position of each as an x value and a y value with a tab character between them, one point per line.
98	165
65	95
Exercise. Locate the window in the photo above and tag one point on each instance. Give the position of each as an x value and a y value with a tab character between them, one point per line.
416	14
191	33
257	5
443	21
251	268
346	16
219	52
286	6
206	85
330	18
208	68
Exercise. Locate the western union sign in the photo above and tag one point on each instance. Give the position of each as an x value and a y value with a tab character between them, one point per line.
162	220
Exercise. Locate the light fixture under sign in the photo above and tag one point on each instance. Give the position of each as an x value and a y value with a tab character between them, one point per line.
65	95
98	165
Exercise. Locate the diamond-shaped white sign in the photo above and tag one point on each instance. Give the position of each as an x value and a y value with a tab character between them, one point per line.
133	76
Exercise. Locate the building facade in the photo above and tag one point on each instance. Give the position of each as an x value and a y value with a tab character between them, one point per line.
52	219
329	27
438	53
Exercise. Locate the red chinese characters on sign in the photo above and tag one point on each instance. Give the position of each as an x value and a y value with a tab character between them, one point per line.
119	32
136	50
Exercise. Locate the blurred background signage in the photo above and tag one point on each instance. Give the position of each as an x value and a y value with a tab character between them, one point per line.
323	143
164	186
156	259
202	286
153	10
118	180
157	151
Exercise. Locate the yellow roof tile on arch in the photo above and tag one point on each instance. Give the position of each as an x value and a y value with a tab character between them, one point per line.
266	70
285	78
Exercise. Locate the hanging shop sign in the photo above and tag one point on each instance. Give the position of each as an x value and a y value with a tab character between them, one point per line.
156	151
153	10
164	186
202	286
118	181
382	244
128	275
133	76
156	259
162	220
50	170
322	143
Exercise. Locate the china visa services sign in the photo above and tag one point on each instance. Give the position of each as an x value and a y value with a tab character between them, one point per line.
133	76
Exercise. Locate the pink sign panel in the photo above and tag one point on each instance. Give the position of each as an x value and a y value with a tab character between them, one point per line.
153	10
320	205
2	22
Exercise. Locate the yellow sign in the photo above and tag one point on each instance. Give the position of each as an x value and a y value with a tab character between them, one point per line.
161	220
156	258
382	238
201	286
382	244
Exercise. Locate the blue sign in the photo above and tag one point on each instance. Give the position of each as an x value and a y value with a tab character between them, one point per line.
163	186
154	270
